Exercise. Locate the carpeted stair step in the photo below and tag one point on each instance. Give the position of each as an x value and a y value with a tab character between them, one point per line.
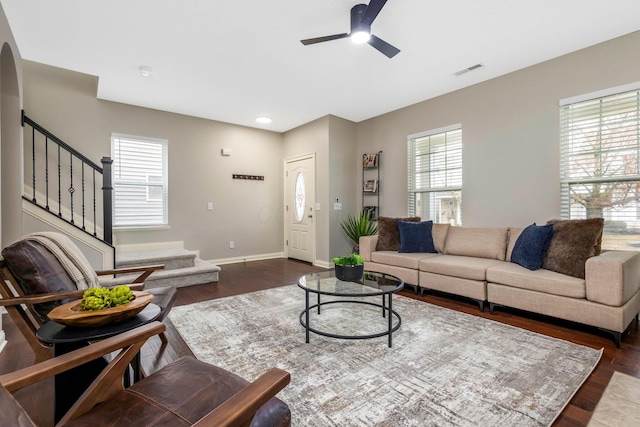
202	272
181	268
171	258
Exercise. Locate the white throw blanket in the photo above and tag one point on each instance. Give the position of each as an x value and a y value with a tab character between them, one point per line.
70	257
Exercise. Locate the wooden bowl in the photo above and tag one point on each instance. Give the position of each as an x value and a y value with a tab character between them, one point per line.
70	314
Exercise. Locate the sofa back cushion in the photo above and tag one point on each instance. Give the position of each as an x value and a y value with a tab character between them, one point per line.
388	233
477	242
514	233
439	234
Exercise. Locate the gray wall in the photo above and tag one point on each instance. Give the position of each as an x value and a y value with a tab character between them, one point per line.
313	137
246	212
510	131
332	139
10	135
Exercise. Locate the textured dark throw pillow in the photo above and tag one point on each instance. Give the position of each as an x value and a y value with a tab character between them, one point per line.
388	234
573	242
532	246
416	237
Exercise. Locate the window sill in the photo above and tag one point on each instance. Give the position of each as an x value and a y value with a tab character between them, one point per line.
141	228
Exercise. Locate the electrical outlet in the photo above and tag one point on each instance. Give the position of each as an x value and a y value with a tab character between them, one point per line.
210	206
232	244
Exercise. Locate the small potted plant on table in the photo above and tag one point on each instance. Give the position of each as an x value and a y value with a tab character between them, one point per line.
349	268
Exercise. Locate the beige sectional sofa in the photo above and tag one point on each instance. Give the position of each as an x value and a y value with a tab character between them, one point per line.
476	263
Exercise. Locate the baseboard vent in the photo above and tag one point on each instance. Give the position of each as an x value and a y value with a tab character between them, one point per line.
466	70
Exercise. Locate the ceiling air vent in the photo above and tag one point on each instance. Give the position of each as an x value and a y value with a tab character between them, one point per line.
466	70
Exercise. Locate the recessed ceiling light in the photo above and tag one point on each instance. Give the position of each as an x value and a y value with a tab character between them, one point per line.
263	119
145	71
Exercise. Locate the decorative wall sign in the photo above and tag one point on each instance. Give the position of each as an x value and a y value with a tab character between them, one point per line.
249	177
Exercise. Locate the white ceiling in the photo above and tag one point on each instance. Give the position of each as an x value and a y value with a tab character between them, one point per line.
234	60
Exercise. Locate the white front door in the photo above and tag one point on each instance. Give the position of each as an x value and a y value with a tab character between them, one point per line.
299	213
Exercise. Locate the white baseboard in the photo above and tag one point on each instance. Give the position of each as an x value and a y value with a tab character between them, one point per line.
323	264
261	257
246	258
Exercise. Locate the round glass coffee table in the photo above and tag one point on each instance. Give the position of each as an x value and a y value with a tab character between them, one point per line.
372	284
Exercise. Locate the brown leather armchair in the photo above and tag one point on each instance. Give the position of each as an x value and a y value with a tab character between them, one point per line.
183	393
31	275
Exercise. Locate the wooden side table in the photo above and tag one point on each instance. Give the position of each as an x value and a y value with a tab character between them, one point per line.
70	385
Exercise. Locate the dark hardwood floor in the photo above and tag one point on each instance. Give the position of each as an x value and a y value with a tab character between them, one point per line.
256	275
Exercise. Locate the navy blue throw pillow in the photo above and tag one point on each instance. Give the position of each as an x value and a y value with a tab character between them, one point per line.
532	246
416	237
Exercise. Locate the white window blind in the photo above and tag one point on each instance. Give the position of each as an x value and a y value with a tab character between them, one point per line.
435	175
600	176
139	181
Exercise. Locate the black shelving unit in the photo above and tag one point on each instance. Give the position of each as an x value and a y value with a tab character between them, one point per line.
371	183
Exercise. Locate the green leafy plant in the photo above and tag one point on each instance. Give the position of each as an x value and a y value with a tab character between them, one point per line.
356	226
353	259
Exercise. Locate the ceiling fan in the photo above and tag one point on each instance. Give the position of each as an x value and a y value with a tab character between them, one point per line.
362	16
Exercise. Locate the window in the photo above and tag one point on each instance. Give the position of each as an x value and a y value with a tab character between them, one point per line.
435	175
600	176
139	181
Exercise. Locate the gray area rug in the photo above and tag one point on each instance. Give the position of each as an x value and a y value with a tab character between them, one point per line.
446	368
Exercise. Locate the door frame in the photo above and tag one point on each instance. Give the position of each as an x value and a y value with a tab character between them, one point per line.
288	160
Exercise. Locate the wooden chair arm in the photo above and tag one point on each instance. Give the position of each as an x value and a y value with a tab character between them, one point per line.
40	298
242	406
145	270
54	296
30	375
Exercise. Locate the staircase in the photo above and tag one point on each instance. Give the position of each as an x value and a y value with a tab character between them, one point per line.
71	194
181	268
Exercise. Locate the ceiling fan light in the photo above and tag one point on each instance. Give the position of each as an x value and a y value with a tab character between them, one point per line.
360	36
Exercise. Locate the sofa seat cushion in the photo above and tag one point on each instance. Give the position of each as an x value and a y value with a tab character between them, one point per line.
541	280
406	260
458	266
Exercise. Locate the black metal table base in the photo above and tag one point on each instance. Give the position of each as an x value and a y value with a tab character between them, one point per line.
304	319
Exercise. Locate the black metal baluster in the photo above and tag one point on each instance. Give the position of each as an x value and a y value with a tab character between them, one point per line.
83	225
46	170
59	186
33	163
95	234
71	189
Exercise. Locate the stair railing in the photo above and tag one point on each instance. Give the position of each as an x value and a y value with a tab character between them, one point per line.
71	171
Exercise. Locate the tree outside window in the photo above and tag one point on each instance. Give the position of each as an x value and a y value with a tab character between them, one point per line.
600	169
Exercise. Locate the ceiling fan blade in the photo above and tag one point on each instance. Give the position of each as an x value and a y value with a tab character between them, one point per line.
372	11
324	39
383	46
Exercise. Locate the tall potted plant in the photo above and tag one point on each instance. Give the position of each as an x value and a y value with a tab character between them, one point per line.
356	226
